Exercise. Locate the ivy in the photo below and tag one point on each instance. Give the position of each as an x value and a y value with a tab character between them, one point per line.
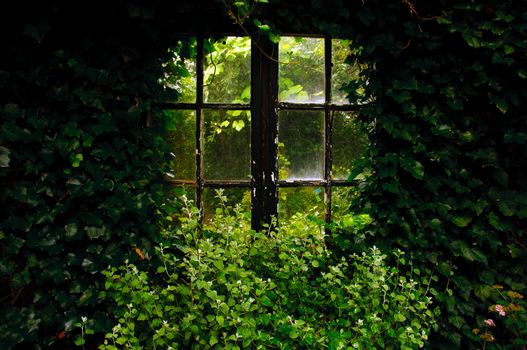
447	148
81	171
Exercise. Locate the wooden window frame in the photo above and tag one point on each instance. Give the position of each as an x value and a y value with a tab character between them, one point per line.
264	107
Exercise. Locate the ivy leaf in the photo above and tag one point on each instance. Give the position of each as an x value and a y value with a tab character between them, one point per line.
415	168
502	105
261	26
71	231
95	232
238	125
76	160
4	157
38	31
275	38
472	41
461	221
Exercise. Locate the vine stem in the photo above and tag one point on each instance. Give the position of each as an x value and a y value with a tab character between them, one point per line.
239	21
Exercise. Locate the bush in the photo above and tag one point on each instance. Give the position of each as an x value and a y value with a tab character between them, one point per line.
228	287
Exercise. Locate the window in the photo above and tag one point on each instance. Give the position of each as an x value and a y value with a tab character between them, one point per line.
268	123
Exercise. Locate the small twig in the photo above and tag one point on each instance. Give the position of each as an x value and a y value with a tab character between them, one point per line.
406	45
214	73
413	12
239	22
17	295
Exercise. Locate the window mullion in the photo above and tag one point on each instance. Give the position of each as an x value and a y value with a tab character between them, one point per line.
328	124
199	124
264	126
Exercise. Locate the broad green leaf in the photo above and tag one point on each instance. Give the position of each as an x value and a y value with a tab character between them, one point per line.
4	157
461	221
502	105
266	301
238	125
213	340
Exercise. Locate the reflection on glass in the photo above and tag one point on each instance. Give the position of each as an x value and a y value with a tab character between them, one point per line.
180	70
301	144
227	148
299	201
301	70
227	70
349	143
182	138
222	201
341	72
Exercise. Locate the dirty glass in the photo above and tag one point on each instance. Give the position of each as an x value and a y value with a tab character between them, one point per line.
300	145
227	144
227	70
180	70
343	71
181	136
215	199
300	200
301	70
340	201
349	143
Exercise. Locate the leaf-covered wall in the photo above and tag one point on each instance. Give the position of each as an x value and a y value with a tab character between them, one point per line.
81	170
447	152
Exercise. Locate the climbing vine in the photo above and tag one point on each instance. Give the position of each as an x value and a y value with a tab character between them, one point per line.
82	153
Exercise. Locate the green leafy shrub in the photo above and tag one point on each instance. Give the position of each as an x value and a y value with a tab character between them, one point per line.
229	287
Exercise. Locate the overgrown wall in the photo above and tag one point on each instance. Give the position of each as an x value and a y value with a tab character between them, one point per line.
80	168
448	129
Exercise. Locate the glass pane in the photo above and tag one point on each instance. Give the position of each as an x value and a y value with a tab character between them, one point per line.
341	198
301	145
182	138
227	70
227	145
222	201
301	70
341	72
346	220
349	143
180	70
300	201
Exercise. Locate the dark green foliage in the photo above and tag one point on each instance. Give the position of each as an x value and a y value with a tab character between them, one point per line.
448	154
81	169
447	84
228	287
449	168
